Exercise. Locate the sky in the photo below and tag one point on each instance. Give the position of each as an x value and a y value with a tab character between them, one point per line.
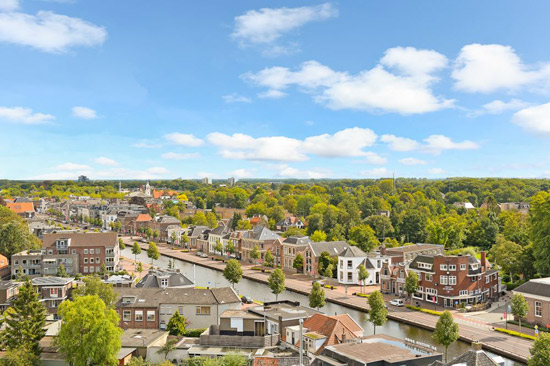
141	89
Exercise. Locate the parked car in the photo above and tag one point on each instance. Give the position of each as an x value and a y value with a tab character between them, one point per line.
246	300
397	302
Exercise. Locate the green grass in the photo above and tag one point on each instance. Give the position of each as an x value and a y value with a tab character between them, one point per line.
515	334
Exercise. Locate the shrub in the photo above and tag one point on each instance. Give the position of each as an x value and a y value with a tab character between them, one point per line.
427	311
515	334
194	332
184	250
361	295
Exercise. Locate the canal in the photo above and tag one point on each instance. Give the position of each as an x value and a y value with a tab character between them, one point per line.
259	291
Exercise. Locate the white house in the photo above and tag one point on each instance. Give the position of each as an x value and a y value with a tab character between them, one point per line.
349	261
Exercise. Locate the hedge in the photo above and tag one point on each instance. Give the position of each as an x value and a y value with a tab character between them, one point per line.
361	295
184	250
515	334
427	311
194	332
541	328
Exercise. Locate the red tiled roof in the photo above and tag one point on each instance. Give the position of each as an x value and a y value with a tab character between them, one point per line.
3	261
331	327
21	207
143	218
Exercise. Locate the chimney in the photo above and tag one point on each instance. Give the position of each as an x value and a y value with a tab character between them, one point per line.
383	249
483	261
477	346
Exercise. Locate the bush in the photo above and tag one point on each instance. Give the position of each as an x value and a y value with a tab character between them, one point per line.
541	328
512	285
515	334
194	332
256	268
361	295
427	311
184	250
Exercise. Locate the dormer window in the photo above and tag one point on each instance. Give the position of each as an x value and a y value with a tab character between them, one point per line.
164	282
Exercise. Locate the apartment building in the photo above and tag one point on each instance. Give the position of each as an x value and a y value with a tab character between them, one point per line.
292	246
53	291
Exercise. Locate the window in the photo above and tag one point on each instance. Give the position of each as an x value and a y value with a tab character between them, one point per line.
443	280
180	310
54	291
443	267
164	282
138	315
150	315
50	251
74	251
452	267
350	265
97	260
538	309
487	279
203	310
452	280
463	293
97	268
85	269
91	269
462	267
126	315
97	250
86	260
85	251
350	276
428	277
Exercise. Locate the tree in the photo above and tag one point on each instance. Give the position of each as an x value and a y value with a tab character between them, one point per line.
381	225
318	236
378	314
446	331
218	247
230	247
93	285
15	237
24	321
507	255
19	356
153	252
540	351
363	236
168	347
411	283
174	238
255	253
61	272
89	334
519	307
324	260
235	221
139	267
276	282
268	259
413	226
136	249
298	263
185	239
121	244
155	234
233	271
363	275
317	296
148	233
539	213
327	272
176	325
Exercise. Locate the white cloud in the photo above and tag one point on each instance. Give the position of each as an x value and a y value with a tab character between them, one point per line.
9	5
412	161
105	161
491	67
400	83
147	145
242	173
184	139
84	113
48	31
435	144
72	167
376	173
436	171
157	170
267	25
24	116
400	143
498	107
534	119
286	171
179	156
374	158
236	98
281	148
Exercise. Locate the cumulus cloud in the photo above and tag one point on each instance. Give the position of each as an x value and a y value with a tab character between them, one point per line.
374	158
400	83
144	144
412	161
268	25
242	173
345	143
286	171
24	116
179	156
498	106
436	171
400	143
48	31
435	144
534	119
236	98
184	139
492	67
84	113
376	173
105	161
9	5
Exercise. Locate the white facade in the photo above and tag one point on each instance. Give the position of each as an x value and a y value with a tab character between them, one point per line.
348	269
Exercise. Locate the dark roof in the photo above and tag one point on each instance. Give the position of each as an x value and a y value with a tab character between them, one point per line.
537	287
263	233
424	259
414	247
298	240
352	252
153	297
51	281
472	358
175	279
332	247
82	239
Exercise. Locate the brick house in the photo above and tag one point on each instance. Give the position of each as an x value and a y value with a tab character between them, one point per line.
313	253
407	253
53	291
261	237
291	247
537	295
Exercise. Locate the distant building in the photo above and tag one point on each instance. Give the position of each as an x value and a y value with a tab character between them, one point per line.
83	179
206	180
53	291
407	253
23	209
231	181
465	205
4	267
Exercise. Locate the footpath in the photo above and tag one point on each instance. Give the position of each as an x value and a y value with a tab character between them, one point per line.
470	330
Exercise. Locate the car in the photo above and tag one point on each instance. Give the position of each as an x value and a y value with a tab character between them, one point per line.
247	300
199	254
397	302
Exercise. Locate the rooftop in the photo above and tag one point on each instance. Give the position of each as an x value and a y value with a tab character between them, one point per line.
82	239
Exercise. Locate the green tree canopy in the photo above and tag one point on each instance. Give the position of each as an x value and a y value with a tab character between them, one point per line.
298	262
15	237
519	307
378	314
446	331
233	271
540	351
276	282
153	252
317	296
540	231
93	285
318	236
176	325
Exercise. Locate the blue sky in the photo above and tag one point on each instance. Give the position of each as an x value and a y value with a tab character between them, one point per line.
273	89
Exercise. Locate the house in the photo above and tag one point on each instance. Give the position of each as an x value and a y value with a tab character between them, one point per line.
160	223
158	278
313	253
451	281
348	266
466	205
120	280
176	231
152	308
537	294
378	350
261	237
292	246
4	267
289	222
93	250
522	207
8	292
282	314
53	291
196	233
473	357
142	222
23	209
320	331
392	278
219	234
142	341
27	263
407	253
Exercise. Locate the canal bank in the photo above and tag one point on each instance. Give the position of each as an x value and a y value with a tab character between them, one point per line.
210	275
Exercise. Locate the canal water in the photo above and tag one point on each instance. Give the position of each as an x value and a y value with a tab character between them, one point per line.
259	291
